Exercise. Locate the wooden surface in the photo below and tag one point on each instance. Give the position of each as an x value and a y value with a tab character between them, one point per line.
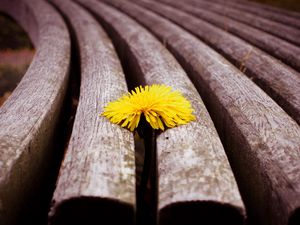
28	118
192	181
96	183
281	49
265	11
192	165
278	11
288	33
278	80
261	140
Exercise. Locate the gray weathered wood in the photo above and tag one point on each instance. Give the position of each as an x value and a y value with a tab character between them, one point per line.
262	141
281	49
96	183
192	165
257	9
290	34
278	80
29	117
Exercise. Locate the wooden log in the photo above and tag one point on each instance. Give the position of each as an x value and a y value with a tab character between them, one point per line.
278	80
287	33
28	119
262	11
193	171
281	49
96	183
260	139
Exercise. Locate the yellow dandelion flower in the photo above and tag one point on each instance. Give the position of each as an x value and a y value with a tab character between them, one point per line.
158	103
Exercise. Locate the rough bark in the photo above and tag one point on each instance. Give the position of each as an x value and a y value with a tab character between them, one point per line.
261	140
192	165
96	183
29	117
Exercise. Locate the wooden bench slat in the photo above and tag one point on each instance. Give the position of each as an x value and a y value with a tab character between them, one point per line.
290	34
29	117
97	178
261	140
192	165
283	50
278	80
257	9
276	9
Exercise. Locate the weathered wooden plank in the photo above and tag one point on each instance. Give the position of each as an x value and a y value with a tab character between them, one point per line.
192	166
290	34
278	80
29	117
261	10
261	140
97	179
280	10
281	49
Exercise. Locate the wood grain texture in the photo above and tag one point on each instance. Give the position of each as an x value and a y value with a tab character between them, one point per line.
264	11
29	117
270	8
97	179
192	165
262	141
291	34
278	80
281	49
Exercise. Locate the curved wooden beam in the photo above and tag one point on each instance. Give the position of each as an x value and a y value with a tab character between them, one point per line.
29	117
97	177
